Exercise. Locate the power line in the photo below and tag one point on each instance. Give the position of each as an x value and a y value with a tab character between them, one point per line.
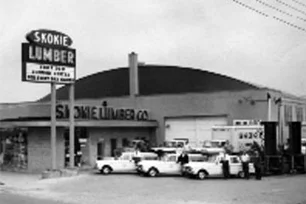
251	8
299	3
290	24
274	17
279	10
300	18
292	7
272	7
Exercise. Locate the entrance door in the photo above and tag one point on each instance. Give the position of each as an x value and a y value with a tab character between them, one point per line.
100	149
196	129
113	146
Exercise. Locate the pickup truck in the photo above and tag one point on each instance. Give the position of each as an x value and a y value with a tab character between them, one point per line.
213	168
125	163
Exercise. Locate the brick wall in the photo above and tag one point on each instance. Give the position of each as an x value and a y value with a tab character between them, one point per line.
39	149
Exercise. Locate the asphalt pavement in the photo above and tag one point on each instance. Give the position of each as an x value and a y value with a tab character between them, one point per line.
93	188
9	198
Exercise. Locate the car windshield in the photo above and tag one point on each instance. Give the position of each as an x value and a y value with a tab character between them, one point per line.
211	158
211	144
125	157
198	158
304	143
170	144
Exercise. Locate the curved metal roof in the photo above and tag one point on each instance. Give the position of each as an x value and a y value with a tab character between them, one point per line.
153	79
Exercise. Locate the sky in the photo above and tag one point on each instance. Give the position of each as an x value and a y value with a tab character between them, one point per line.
258	41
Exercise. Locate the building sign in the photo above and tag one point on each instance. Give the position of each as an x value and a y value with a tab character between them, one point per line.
101	113
47	58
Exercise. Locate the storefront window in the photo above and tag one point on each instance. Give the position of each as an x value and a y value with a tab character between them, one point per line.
288	113
299	114
14	149
80	147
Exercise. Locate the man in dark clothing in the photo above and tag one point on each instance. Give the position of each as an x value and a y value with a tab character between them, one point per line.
223	158
257	166
183	158
225	168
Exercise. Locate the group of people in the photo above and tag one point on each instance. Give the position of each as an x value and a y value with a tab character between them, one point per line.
223	158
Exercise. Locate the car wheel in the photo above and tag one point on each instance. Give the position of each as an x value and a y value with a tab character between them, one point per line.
106	170
152	172
241	174
201	175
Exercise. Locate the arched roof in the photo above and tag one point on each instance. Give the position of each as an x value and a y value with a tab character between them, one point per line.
153	79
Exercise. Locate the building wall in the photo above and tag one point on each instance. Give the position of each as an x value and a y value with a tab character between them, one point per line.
233	105
106	134
24	110
294	105
39	149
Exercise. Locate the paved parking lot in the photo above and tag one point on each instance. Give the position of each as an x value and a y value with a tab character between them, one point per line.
92	188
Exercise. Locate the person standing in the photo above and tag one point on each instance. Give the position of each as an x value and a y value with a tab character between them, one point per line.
223	158
245	159
257	166
226	167
183	159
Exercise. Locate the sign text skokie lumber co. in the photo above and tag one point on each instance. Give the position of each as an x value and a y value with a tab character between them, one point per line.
47	57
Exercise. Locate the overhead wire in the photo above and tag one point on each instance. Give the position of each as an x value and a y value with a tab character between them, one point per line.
292	7
274	8
300	3
278	10
290	24
251	8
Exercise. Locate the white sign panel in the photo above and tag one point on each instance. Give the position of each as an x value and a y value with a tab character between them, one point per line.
49	73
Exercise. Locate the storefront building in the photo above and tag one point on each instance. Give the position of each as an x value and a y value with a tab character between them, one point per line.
150	102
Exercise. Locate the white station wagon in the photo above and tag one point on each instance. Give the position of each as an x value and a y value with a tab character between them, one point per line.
125	163
167	165
213	168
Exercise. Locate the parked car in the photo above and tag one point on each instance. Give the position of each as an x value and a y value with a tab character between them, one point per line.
171	146
213	168
125	163
211	146
166	165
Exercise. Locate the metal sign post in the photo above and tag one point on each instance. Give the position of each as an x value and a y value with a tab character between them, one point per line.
53	125
48	58
71	126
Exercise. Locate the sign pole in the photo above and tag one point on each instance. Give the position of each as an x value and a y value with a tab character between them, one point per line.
71	126
53	125
48	58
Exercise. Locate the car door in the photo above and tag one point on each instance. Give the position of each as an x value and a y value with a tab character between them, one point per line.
215	168
172	166
125	163
235	165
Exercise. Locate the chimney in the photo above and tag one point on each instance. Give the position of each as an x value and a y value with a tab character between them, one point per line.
133	69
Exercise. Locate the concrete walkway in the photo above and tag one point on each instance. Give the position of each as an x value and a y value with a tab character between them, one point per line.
27	181
18	180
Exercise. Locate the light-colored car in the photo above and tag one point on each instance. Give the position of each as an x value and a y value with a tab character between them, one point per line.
171	146
125	163
211	146
166	165
213	168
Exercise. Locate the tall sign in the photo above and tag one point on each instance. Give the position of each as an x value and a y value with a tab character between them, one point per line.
48	58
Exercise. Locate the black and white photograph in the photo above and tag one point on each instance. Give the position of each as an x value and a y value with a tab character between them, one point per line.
153	101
